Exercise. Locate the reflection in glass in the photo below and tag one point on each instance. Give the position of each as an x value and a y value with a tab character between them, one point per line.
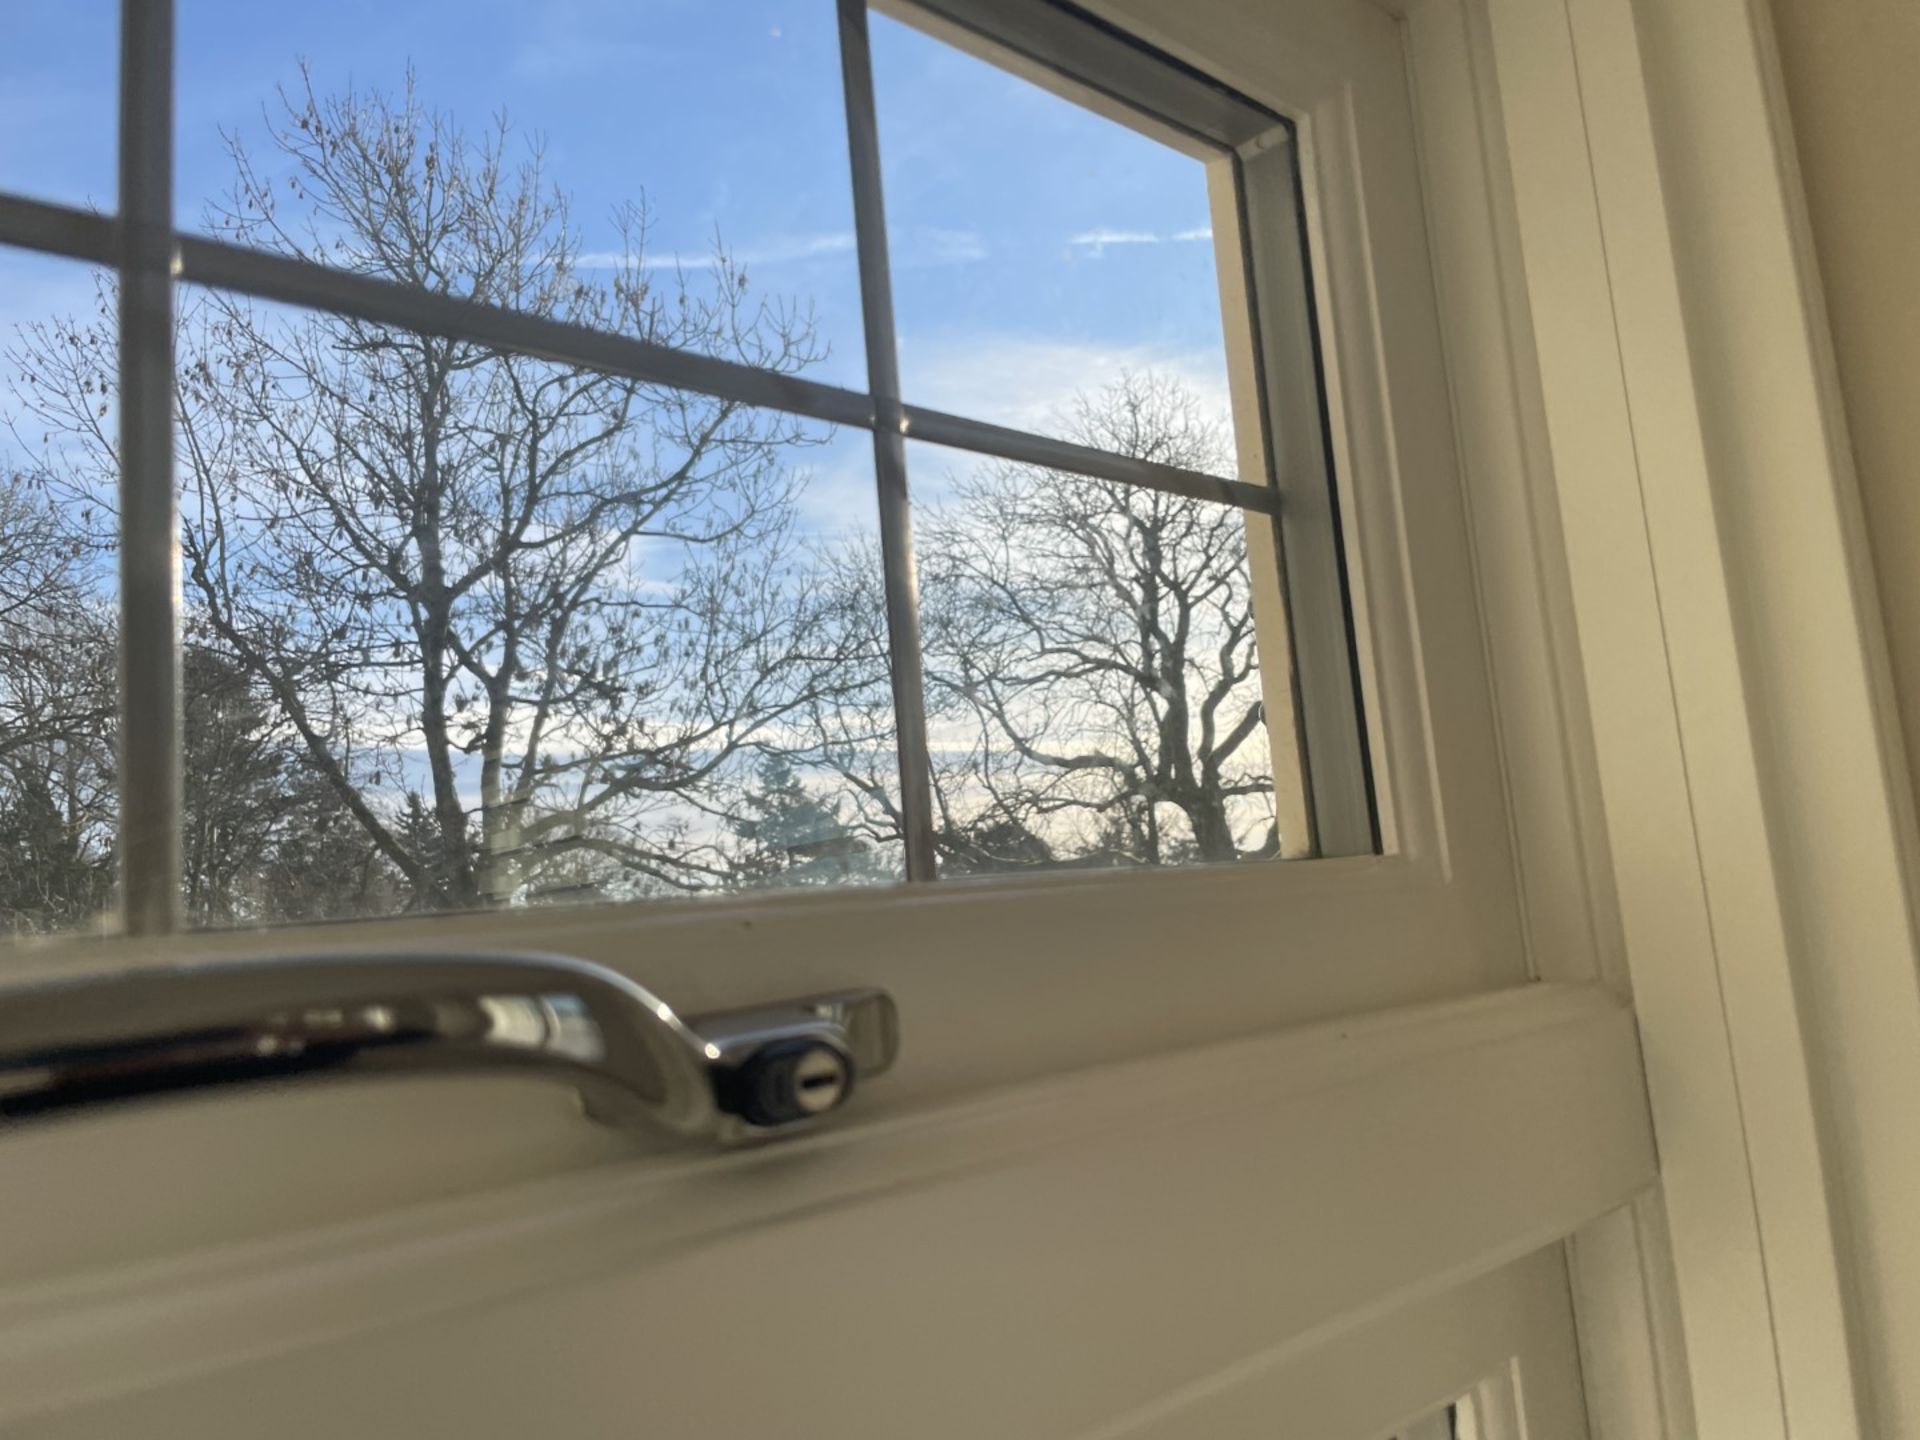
1039	249
658	149
58	589
1093	684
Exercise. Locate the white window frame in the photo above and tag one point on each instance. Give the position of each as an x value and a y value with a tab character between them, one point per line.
1447	875
1252	165
1082	977
1656	277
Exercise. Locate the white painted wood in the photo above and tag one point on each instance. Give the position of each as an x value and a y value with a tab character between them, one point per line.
1735	844
1789	1152
1058	1259
1660	1289
1487	1342
1831	775
1643	769
1630	1354
1496	1409
1616	1330
1633	1356
996	984
1520	559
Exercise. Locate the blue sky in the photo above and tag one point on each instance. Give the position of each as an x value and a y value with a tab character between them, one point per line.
1037	248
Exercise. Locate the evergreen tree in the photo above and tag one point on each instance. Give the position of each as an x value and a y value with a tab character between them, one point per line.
791	836
266	839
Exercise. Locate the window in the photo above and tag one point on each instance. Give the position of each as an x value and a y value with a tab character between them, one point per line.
869	451
1014	303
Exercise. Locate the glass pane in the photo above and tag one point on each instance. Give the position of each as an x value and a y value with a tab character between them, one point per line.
60	99
468	629
1039	249
58	589
665	168
1093	674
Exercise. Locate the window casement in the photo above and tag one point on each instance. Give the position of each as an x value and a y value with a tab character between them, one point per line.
525	557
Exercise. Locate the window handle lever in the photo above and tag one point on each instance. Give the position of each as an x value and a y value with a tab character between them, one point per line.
76	1045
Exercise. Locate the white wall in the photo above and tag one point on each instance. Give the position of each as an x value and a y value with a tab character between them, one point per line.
1851	68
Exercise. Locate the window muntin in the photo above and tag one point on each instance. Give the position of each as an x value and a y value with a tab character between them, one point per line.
1009	303
830	773
507	630
418	141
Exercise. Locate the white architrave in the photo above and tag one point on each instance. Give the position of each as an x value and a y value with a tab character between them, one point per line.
1833	776
1756	800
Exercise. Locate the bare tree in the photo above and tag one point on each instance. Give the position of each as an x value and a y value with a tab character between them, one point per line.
469	626
532	625
265	837
1092	684
56	717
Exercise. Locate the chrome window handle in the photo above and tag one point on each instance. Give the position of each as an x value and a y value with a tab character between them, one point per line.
73	1045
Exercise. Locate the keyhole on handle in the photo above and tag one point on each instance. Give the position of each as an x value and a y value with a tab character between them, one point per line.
787	1081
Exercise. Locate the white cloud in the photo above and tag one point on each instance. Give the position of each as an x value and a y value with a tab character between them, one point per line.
839	497
1095	242
918	247
1027	382
782	251
932	246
